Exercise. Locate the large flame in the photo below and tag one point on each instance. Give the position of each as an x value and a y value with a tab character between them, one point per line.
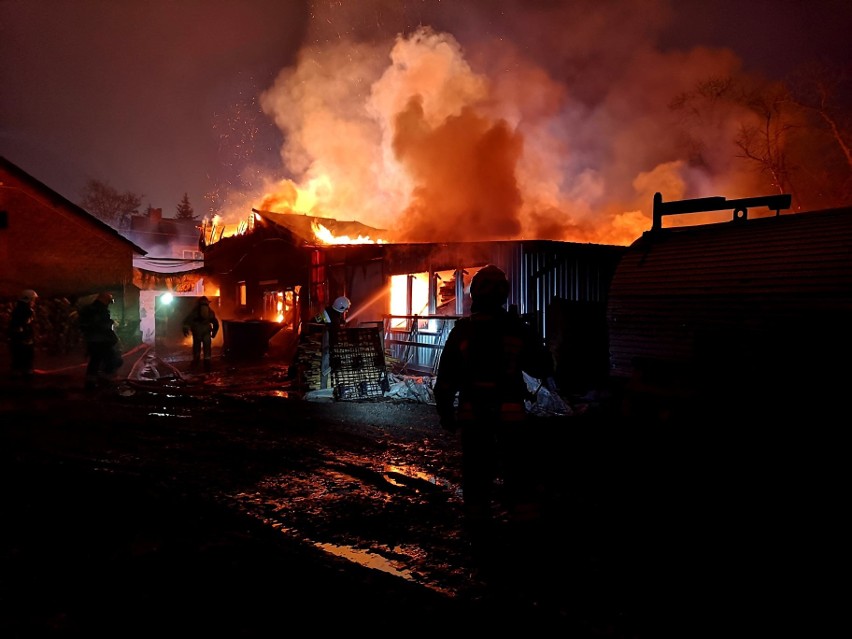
214	228
327	237
555	135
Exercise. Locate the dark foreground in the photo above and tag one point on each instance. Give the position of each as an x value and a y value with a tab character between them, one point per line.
226	506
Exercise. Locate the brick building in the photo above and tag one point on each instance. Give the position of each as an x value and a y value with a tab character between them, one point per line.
50	244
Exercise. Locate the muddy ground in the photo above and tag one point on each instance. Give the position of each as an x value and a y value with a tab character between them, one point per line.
226	504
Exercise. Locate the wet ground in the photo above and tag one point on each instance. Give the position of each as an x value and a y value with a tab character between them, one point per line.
225	504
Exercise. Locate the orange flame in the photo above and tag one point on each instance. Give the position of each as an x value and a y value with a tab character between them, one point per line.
327	237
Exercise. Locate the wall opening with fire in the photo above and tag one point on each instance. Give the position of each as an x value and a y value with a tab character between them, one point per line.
411	295
282	306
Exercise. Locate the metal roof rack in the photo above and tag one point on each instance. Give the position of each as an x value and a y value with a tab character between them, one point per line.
718	203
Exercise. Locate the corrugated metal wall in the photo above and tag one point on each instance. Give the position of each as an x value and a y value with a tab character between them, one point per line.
734	294
541	271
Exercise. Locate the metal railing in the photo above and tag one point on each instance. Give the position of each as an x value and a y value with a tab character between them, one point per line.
414	342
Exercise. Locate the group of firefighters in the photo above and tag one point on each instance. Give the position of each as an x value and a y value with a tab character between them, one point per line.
479	390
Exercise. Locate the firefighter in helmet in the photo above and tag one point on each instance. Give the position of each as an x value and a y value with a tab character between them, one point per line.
480	391
22	334
333	317
102	344
201	322
335	313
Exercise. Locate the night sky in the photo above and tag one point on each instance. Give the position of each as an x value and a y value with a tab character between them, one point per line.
235	102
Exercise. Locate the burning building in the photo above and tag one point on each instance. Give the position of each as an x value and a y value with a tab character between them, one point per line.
287	267
746	302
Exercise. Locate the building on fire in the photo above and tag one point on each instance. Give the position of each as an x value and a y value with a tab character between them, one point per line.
287	267
753	304
749	300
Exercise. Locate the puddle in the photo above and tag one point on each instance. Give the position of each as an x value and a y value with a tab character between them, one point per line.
395	475
370	559
364	558
277	394
401	563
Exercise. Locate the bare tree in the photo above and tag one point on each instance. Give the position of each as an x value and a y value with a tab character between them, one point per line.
763	141
824	90
702	109
108	205
817	87
776	133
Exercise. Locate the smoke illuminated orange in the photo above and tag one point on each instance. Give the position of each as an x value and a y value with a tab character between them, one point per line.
431	140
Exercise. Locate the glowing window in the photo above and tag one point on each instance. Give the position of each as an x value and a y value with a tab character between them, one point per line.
409	295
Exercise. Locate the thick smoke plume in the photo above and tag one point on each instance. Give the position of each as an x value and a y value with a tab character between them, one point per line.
562	131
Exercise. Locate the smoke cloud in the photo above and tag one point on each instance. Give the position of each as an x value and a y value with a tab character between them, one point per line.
557	126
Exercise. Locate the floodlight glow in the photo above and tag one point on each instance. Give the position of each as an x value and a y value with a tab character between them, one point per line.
167	298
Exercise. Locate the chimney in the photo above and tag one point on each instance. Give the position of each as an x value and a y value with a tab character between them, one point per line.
156	215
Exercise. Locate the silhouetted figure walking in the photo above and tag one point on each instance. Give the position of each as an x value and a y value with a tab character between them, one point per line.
203	325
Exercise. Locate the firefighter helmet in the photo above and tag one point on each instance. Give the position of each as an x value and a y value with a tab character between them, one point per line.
203	300
341	304
489	286
28	295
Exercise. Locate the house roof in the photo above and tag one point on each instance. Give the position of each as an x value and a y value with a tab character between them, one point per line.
166	226
301	226
157	233
58	200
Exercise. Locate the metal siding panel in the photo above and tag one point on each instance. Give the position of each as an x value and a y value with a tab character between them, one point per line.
750	275
553	270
